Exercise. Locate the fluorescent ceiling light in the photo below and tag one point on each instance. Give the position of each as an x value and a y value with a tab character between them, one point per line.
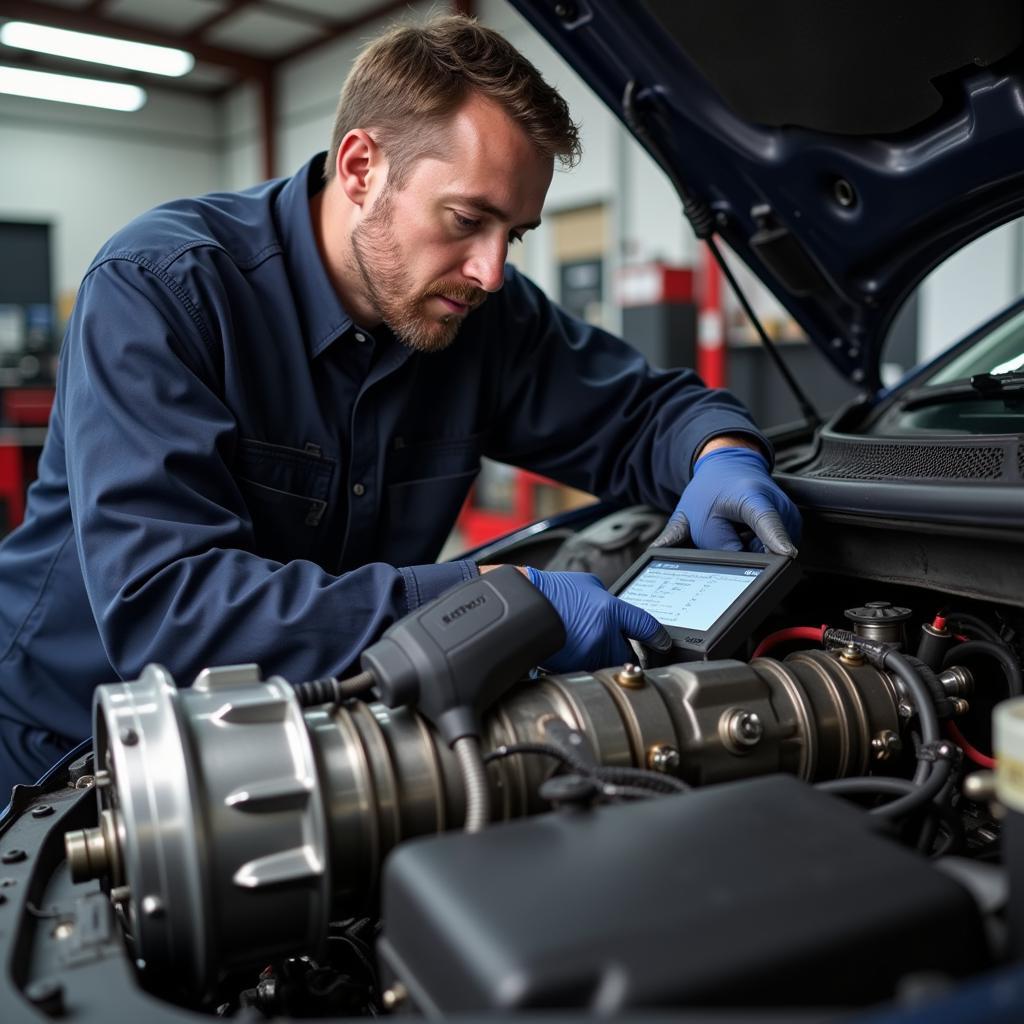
87	92
118	53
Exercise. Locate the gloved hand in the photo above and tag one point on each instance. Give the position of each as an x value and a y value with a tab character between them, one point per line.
729	486
596	623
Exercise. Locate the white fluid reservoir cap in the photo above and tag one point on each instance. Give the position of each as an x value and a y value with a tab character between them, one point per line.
1008	729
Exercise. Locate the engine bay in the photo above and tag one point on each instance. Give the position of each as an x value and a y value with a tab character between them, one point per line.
813	822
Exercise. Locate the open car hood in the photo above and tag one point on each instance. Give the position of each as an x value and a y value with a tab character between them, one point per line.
841	149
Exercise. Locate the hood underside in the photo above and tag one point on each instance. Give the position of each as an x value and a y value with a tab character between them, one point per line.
841	149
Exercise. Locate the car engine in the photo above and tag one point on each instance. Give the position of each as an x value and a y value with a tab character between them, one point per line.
811	823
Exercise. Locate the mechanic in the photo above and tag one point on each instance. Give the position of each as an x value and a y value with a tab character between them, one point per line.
271	405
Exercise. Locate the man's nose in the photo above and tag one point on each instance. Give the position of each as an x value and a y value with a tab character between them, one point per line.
486	264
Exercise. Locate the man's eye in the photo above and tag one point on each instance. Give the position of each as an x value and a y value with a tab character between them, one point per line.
465	223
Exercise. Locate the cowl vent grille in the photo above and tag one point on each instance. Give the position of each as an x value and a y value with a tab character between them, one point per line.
901	460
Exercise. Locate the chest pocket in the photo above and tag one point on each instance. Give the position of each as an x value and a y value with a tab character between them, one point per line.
427	482
286	491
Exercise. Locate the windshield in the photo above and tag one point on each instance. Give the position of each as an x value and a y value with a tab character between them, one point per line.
999	351
946	402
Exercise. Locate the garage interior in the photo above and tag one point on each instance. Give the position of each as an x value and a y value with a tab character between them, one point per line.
258	102
791	784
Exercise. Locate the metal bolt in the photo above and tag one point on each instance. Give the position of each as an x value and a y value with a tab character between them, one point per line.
128	736
13	856
663	758
960	706
957	681
63	931
153	907
393	997
904	709
852	656
886	744
120	894
42	811
744	728
630	676
85	781
980	786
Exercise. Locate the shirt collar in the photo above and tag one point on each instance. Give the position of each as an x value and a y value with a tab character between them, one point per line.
324	316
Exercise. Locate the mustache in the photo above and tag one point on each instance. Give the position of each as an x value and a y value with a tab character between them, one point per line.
458	292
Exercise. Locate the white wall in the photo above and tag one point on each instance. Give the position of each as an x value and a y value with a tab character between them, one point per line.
970	287
87	171
306	98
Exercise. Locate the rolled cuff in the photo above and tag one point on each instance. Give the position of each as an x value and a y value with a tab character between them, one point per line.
703	429
425	582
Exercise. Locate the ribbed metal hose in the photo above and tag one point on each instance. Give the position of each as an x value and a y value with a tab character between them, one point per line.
474	775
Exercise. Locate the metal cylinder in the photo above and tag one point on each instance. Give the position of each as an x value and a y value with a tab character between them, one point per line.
881	621
241	823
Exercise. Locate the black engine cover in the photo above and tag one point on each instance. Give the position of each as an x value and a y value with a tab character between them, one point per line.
755	893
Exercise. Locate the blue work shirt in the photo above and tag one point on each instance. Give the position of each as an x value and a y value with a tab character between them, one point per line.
237	472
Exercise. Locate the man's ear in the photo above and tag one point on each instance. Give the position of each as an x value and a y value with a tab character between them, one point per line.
360	163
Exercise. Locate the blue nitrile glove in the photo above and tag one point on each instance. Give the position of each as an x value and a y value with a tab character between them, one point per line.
730	486
596	623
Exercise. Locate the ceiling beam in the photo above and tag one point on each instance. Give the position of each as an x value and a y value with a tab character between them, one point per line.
81	21
232	7
342	28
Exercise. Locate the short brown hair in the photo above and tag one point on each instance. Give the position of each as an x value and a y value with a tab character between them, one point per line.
407	83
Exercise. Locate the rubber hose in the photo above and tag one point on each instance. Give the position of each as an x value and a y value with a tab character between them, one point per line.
926	714
474	778
922	794
1014	684
867	784
978	625
940	699
331	690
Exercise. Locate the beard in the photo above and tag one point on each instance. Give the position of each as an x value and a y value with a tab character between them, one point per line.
389	285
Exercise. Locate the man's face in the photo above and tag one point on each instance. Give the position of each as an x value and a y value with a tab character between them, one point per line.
430	252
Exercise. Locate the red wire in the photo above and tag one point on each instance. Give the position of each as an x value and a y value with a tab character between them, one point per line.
793	633
972	752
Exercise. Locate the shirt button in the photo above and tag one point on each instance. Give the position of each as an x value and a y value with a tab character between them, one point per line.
358	490
359	336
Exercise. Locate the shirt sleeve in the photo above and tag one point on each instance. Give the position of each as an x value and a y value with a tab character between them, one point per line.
579	405
164	538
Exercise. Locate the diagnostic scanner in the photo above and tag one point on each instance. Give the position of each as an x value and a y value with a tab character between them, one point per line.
709	601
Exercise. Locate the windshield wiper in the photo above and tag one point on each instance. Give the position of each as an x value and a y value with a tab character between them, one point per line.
993	383
981	385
